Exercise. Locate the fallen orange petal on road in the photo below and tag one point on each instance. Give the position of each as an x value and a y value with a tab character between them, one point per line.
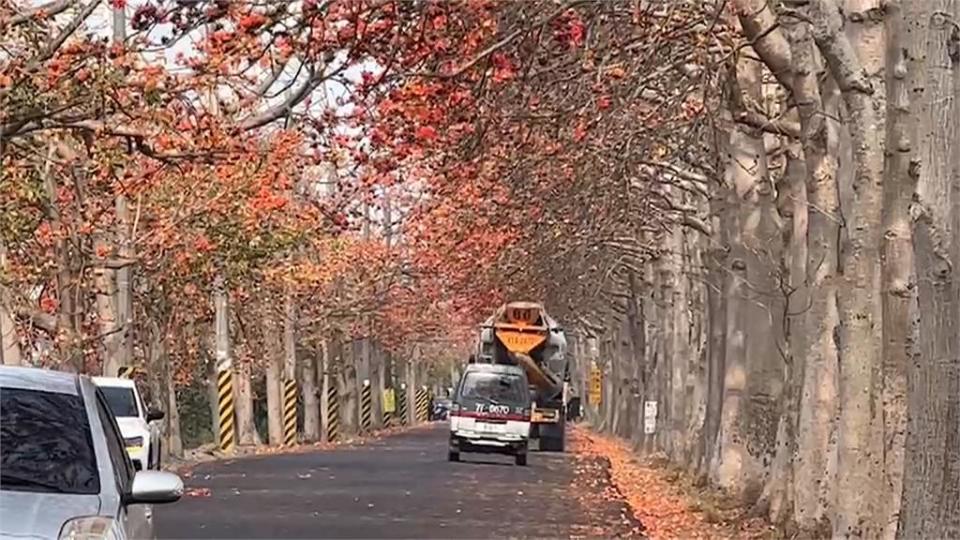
661	505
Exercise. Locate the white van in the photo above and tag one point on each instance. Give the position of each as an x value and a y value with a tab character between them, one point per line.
138	424
490	412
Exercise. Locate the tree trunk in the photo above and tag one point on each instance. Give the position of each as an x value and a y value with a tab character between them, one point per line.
931	481
173	444
310	398
696	377
384	381
666	279
213	400
677	335
635	331
778	496
246	427
653	317
273	348
107	324
348	391
749	327
608	405
289	337
717	285
124	282
411	380
627	423
899	285
813	330
10	354
125	250
856	62
156	371
376	385
10	351
616	378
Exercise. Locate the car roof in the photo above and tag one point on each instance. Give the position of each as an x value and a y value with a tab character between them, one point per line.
495	368
114	381
30	378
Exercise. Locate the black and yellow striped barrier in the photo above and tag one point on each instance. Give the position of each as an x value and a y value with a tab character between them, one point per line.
389	404
422	404
126	372
402	405
289	413
366	407
333	413
225	405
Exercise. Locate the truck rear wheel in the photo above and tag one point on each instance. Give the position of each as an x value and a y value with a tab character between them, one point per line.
521	459
551	444
552	437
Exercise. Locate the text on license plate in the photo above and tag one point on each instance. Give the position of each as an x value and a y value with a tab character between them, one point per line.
490	428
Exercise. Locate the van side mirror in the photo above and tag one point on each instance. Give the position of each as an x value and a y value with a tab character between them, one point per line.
154	414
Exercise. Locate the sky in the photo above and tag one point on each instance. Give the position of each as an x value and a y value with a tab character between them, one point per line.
327	95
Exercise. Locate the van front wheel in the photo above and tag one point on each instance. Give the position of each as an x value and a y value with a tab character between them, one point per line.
453	456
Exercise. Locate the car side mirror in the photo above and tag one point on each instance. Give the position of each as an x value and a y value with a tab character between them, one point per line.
154	414
155	487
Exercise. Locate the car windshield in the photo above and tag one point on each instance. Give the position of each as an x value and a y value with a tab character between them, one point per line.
121	400
45	443
499	387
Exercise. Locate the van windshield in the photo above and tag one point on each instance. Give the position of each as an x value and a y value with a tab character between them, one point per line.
122	402
501	388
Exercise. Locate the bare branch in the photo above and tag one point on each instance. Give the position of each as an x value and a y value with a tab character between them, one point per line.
68	31
48	10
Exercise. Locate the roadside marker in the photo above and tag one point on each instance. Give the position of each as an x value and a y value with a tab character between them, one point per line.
402	405
389	406
225	406
333	413
366	402
289	412
596	384
422	403
126	372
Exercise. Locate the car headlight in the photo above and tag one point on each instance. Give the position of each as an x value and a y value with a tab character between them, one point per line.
133	441
91	528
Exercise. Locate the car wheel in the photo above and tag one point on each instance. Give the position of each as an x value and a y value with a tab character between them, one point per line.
521	460
453	456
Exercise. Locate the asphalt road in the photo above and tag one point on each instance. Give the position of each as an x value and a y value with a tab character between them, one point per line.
401	486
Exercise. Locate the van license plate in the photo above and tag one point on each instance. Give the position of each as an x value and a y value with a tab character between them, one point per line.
490	428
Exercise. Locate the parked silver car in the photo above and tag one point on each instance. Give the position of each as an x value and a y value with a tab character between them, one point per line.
64	472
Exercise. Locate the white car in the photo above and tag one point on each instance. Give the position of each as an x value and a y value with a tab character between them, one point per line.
63	469
138	424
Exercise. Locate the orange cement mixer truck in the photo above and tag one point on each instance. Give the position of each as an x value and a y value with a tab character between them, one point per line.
523	334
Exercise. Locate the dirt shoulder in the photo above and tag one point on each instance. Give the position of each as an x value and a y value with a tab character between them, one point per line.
666	504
